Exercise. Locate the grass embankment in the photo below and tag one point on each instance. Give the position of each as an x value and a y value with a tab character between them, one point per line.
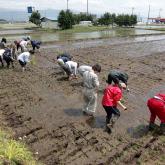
78	29
14	152
156	29
12	26
75	29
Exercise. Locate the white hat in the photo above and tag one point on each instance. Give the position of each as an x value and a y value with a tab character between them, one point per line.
60	61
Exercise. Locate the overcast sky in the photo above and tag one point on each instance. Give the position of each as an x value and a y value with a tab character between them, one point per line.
95	6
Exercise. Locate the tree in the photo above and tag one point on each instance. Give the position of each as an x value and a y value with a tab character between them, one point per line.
66	19
107	19
35	18
126	20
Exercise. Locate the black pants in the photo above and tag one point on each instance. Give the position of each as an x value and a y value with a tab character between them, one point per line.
8	60
110	111
23	64
1	60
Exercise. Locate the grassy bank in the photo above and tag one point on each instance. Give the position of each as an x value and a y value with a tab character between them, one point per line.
14	152
12	26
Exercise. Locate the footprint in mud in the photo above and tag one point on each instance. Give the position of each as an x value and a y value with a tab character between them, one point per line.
96	122
138	132
73	112
62	79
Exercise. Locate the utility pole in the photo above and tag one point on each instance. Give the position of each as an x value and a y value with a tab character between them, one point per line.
159	13
148	14
87	7
132	10
67	4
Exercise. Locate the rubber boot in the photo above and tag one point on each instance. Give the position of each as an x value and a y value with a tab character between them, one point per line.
162	128
108	128
113	120
151	127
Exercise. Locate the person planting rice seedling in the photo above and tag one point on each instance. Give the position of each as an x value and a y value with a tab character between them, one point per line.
35	44
1	56
91	85
117	76
65	57
83	68
110	101
24	58
3	43
156	106
23	44
7	56
70	68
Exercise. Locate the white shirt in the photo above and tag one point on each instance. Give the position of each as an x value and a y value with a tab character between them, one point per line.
90	80
24	57
24	43
84	68
72	66
1	52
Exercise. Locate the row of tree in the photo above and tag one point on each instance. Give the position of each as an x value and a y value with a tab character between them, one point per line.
67	19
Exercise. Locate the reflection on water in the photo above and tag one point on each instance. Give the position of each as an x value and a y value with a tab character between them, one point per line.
46	37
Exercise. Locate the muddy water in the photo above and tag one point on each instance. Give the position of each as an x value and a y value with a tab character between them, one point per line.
15	32
132	46
49	37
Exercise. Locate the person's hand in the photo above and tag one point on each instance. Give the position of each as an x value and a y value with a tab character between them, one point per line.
125	108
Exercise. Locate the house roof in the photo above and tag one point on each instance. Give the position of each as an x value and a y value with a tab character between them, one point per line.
3	20
44	19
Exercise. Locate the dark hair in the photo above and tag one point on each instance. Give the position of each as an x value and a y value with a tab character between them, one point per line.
31	51
4	40
96	68
58	57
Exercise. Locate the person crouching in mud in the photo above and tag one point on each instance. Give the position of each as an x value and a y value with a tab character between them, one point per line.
24	58
110	101
91	85
7	57
118	75
156	106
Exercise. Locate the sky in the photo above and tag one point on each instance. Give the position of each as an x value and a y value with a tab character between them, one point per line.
139	7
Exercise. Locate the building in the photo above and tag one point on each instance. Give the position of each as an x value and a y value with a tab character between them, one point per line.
48	23
157	20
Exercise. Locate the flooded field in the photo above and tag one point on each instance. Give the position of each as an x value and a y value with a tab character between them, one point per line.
133	46
50	37
43	106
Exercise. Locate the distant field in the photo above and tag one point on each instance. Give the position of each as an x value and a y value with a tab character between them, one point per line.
16	26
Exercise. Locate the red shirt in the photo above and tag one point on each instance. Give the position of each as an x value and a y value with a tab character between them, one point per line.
112	94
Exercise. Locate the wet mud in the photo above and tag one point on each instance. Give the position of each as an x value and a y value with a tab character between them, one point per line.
44	109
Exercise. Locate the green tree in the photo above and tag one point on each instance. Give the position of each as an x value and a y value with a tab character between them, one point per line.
66	19
107	19
35	18
126	20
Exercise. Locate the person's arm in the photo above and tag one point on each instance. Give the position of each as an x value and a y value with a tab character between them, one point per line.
75	70
26	59
96	82
121	105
